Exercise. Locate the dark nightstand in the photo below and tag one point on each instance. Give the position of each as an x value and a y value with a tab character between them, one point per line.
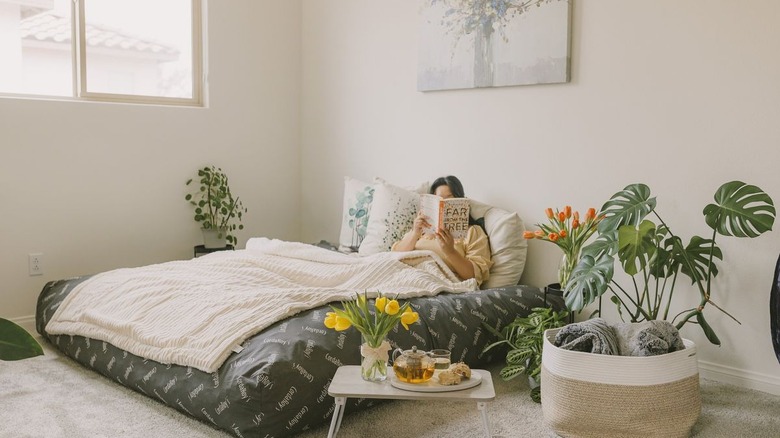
200	250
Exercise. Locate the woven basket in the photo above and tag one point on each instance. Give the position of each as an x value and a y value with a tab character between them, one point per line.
596	395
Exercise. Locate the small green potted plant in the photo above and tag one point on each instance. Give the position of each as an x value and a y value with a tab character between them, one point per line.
525	337
16	343
654	257
217	211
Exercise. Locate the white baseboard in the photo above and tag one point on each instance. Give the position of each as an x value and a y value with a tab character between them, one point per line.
739	377
27	323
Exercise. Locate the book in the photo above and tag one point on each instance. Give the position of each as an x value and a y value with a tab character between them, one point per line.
451	214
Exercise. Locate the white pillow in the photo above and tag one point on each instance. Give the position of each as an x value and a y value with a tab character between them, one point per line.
358	197
392	214
421	188
508	248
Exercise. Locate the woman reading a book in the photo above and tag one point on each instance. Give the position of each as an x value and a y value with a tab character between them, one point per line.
468	257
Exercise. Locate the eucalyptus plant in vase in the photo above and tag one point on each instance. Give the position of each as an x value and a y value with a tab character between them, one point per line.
217	211
655	258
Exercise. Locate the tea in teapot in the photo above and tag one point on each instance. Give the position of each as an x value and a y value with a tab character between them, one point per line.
412	366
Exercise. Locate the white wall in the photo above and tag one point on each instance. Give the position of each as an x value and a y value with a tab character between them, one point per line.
682	96
97	186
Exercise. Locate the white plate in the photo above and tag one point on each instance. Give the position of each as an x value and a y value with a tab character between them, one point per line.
433	385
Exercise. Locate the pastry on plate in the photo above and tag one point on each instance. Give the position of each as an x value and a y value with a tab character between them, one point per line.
448	378
461	369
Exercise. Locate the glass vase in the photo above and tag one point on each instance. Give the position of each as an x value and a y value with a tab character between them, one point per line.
565	269
373	360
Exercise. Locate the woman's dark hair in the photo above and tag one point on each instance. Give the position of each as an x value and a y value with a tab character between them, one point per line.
457	192
450	181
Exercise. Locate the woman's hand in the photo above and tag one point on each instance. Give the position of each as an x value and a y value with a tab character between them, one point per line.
446	242
462	266
420	223
408	242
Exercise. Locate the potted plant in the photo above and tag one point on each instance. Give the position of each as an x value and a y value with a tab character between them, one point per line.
16	343
565	230
217	211
525	338
654	257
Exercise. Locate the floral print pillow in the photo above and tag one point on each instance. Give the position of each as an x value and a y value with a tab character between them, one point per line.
392	213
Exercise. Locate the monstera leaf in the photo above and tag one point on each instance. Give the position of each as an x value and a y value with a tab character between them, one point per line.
741	210
627	207
588	281
605	243
698	254
16	343
636	246
662	264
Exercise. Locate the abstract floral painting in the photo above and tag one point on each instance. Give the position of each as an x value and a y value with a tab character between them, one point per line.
493	43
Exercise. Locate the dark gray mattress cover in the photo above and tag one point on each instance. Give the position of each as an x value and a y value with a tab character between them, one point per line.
278	385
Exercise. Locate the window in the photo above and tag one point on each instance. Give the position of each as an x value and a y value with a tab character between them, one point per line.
110	50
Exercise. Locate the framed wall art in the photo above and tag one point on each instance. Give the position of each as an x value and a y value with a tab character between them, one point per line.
493	43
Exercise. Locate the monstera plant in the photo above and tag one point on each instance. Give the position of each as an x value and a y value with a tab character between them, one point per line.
16	343
633	234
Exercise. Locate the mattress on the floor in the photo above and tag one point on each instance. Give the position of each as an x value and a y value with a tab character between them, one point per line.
278	384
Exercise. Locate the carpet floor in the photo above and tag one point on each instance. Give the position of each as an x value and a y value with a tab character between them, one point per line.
53	397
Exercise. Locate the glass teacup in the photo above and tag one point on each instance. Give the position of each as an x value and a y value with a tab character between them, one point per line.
441	359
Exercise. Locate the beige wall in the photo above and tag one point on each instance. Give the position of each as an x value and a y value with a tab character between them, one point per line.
682	96
98	186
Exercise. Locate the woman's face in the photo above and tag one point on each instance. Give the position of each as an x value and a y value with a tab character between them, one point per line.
443	191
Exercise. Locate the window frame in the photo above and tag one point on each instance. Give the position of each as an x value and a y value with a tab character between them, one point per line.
79	66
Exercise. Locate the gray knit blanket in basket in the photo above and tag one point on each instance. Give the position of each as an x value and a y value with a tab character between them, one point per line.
591	336
648	338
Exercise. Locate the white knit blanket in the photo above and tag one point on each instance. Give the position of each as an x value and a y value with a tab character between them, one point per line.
196	312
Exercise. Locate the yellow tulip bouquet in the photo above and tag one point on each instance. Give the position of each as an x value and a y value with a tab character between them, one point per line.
374	327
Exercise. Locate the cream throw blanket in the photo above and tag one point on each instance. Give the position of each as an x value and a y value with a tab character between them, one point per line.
196	312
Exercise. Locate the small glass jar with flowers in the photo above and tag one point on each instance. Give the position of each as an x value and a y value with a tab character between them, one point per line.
373	323
565	230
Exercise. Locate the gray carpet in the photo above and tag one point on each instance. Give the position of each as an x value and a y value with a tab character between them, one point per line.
53	397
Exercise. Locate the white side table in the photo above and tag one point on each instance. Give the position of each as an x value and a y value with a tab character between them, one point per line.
348	383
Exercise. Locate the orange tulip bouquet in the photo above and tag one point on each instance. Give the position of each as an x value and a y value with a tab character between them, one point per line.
566	231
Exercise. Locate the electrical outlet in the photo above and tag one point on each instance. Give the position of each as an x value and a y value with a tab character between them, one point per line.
35	263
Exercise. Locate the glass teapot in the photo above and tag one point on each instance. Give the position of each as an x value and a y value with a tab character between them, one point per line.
412	366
